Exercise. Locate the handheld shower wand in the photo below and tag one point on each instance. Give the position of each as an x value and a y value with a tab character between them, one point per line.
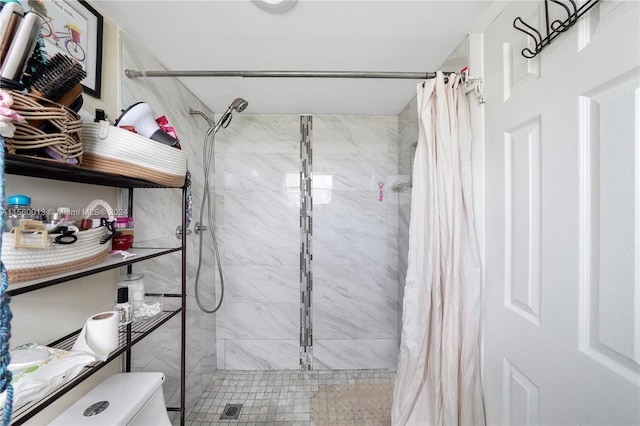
239	105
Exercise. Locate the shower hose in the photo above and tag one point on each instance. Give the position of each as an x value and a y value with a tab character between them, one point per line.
209	165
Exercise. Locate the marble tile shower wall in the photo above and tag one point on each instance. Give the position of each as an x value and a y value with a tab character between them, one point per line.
258	223
157	214
407	139
355	242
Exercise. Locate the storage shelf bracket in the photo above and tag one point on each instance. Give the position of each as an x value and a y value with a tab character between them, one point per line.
553	28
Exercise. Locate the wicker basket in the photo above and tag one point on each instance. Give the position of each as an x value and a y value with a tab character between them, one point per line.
129	154
31	263
62	128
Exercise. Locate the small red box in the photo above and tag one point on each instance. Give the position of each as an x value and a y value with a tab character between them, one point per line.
123	241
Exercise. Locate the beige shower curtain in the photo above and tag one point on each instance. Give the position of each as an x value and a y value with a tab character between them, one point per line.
438	378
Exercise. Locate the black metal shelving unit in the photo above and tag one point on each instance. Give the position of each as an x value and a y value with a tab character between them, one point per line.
112	263
36	167
130	334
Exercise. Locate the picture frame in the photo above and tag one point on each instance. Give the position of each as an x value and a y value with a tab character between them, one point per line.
73	28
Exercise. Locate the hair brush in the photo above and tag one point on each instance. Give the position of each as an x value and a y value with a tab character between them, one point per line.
60	80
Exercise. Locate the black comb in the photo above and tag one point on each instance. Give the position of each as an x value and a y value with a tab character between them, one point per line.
59	76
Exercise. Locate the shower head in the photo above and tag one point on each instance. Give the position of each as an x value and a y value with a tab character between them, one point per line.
239	105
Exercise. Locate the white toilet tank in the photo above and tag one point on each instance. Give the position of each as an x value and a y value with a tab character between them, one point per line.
121	399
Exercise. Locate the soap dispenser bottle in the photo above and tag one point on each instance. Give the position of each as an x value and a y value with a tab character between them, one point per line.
123	307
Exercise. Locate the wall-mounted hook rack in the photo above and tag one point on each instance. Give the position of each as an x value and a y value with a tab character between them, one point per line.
553	28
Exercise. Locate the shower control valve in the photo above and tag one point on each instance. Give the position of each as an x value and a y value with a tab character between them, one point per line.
199	227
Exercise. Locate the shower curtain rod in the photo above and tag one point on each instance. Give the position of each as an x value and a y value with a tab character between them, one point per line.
470	83
295	74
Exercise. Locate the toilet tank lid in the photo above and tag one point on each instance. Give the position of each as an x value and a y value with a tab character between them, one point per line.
126	393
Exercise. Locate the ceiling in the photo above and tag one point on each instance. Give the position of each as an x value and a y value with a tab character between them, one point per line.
404	36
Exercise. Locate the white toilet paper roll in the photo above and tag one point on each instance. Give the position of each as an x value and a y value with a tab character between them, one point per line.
102	332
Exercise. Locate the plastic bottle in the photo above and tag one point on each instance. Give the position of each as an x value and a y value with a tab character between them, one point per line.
123	307
18	208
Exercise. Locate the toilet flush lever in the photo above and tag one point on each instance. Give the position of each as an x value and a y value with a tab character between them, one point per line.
95	409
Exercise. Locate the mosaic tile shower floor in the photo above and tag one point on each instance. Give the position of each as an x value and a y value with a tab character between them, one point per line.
314	398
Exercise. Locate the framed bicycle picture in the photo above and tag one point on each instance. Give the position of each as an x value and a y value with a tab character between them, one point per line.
73	28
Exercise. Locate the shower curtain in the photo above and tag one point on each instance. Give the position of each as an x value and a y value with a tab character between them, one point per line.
438	377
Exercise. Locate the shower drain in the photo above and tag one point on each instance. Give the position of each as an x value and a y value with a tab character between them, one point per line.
231	411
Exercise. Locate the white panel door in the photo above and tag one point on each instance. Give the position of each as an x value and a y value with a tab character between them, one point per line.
562	174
